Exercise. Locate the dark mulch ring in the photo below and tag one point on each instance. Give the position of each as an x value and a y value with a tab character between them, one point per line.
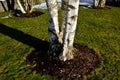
28	15
102	8
84	62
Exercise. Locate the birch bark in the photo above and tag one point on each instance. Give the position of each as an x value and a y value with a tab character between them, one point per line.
99	3
69	30
61	41
27	7
53	28
20	5
103	3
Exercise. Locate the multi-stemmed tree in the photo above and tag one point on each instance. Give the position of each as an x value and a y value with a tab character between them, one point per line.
99	3
25	5
62	38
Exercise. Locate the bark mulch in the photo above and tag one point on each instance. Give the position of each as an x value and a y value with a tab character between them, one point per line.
27	15
102	8
84	62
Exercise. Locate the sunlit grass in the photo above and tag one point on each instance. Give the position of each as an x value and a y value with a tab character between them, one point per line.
98	29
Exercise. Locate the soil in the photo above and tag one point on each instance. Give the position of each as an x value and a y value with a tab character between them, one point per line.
102	8
85	60
27	15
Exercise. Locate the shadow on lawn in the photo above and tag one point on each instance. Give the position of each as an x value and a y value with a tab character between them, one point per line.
85	59
23	37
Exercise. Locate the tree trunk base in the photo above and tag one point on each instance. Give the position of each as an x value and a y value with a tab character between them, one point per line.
69	55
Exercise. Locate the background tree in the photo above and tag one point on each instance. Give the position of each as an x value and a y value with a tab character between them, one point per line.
25	5
10	4
99	3
61	39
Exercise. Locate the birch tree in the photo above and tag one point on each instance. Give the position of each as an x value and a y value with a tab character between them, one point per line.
99	3
62	38
25	6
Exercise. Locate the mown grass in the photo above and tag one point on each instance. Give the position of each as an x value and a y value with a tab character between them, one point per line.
98	29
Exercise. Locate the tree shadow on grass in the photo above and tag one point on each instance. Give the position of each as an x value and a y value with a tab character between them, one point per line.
85	59
23	37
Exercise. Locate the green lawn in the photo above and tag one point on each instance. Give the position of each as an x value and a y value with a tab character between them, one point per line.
97	29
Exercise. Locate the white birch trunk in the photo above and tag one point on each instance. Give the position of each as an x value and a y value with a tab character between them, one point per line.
96	3
21	8
99	3
65	38
27	6
53	28
103	3
31	5
69	31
